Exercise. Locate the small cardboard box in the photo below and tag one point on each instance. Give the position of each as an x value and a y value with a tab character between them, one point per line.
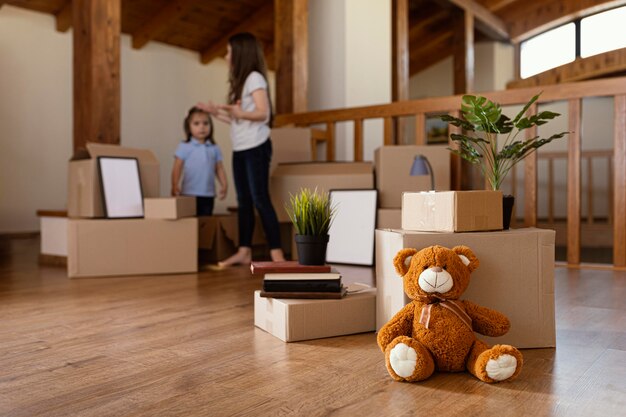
84	195
515	277
393	165
131	247
452	211
290	144
389	219
295	320
325	176
170	208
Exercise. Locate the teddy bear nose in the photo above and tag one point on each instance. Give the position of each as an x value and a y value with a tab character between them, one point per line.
436	269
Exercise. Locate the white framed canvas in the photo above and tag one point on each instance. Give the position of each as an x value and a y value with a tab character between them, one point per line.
352	230
120	182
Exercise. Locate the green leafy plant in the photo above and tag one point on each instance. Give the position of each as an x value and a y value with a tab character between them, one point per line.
482	122
310	212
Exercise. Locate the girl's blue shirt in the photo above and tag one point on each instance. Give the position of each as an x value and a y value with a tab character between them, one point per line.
199	162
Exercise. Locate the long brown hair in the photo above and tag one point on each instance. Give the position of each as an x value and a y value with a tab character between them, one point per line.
246	56
187	123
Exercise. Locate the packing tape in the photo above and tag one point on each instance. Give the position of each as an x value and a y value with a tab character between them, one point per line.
428	208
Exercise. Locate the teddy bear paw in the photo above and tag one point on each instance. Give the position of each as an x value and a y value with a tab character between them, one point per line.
403	360
501	368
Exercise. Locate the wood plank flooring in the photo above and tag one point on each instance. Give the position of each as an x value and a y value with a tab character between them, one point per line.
186	345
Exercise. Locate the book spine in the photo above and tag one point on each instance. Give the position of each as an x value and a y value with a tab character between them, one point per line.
260	271
304	286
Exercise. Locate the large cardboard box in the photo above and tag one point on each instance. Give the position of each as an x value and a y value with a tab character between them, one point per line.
393	165
325	176
170	208
131	247
290	144
452	211
389	219
84	195
515	277
295	320
218	236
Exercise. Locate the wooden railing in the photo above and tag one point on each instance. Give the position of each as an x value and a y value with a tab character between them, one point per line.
571	92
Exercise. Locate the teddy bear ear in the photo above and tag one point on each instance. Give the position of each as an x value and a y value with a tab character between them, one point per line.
467	257
402	260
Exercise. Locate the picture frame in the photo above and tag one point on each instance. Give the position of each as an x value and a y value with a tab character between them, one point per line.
120	184
352	230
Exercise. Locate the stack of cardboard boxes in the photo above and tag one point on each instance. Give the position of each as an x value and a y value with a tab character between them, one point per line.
164	242
516	272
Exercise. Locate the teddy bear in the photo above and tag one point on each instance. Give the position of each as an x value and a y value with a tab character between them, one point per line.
436	330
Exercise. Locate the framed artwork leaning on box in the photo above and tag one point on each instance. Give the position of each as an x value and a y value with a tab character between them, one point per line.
120	184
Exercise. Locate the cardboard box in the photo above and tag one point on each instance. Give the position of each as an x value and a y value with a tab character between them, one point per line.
171	208
84	195
218	236
389	219
452	211
393	165
290	178
515	277
290	144
131	247
295	320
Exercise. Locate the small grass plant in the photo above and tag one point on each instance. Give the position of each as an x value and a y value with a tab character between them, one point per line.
310	212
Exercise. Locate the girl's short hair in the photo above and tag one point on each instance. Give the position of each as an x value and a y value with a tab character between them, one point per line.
246	56
187	122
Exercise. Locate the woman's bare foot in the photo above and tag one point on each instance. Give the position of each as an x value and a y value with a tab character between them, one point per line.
277	255
243	256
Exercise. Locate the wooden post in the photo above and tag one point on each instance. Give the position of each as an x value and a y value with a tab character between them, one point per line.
358	140
400	60
291	49
530	177
463	53
96	31
573	183
619	182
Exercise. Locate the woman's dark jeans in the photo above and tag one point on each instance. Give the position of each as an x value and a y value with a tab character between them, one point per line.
251	174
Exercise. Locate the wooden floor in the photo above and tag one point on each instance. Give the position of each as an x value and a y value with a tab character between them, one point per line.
186	346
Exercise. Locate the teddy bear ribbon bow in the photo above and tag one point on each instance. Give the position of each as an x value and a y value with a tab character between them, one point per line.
451	305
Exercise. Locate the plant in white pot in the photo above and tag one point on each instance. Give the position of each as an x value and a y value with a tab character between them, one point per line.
481	124
311	213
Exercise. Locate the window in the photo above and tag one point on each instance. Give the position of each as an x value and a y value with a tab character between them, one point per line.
603	32
548	50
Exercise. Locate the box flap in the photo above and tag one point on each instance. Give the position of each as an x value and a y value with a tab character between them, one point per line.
101	149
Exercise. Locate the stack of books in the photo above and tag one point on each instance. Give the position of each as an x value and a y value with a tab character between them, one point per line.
289	279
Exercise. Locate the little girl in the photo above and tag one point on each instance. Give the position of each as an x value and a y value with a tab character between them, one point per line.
199	160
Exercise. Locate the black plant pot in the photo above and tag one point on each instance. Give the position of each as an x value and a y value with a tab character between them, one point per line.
507	210
311	249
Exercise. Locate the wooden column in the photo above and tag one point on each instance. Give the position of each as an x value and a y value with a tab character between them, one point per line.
96	35
530	177
573	182
463	52
400	60
291	48
619	182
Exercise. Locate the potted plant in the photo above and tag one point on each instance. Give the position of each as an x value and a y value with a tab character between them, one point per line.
481	124
311	213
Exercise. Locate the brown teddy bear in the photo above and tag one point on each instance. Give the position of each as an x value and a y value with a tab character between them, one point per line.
436	330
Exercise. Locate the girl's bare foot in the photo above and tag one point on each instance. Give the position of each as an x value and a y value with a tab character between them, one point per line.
243	256
277	255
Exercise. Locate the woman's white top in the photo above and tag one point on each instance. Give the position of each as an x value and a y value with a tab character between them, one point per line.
248	134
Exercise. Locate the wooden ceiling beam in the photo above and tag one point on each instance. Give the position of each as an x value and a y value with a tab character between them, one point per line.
173	11
601	65
218	48
486	22
64	17
424	27
528	18
432	51
495	5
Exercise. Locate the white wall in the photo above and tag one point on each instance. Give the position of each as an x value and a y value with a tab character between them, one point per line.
159	83
350	64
